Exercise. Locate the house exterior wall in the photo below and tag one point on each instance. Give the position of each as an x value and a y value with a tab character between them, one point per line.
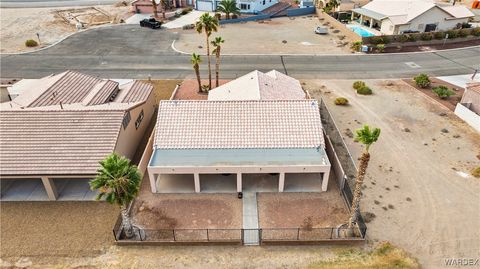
473	99
256	6
129	138
387	27
432	16
470	117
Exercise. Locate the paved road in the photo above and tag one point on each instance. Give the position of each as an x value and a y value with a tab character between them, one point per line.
52	3
128	51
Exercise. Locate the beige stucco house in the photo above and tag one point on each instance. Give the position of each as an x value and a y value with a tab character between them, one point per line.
392	17
59	127
469	107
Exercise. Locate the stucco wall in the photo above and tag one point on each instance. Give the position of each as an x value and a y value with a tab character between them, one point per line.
351	36
257	6
130	137
387	27
473	98
470	117
432	16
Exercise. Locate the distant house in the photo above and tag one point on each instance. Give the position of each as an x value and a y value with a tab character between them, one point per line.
146	6
217	146
59	127
256	85
469	107
245	6
392	17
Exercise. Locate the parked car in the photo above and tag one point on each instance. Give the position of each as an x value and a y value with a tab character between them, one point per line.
321	30
151	23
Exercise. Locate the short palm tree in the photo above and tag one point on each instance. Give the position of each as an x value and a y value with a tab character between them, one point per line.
331	6
207	24
217	48
366	137
118	182
196	60
228	7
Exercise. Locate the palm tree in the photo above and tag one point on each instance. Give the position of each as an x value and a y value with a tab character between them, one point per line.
196	60
366	137
119	182
164	6
216	43
331	6
228	7
154	5
208	24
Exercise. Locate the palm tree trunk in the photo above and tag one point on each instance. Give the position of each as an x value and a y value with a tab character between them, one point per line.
155	13
364	159
209	66
227	16
127	224
217	66
197	73
163	8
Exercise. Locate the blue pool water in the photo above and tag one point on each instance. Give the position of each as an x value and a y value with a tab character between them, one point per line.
360	31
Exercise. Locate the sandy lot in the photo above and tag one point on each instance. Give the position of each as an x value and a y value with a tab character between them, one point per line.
267	38
418	183
188	89
19	24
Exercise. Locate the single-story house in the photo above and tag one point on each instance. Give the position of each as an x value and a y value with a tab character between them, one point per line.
245	6
469	107
59	127
146	6
256	85
392	17
231	140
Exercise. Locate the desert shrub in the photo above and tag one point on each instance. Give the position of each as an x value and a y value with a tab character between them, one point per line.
452	34
476	172
439	35
475	31
188	26
465	25
218	16
379	40
365	90
358	84
31	43
234	16
402	38
184	11
205	88
422	80
426	36
463	32
341	101
356	46
443	92
411	37
380	47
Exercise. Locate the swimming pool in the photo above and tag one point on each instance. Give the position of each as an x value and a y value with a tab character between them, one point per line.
359	30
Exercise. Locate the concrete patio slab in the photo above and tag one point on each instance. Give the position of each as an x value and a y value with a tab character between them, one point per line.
218	183
170	183
260	182
309	182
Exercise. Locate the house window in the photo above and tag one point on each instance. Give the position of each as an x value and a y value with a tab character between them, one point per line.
263	2
126	120
139	120
244	6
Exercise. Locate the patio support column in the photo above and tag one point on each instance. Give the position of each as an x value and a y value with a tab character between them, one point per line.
281	182
371	22
50	188
352	17
153	181
196	179
361	19
239	182
325	177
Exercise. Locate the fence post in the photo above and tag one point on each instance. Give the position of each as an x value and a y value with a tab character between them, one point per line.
114	235
242	231
173	232
208	238
260	236
298	234
331	233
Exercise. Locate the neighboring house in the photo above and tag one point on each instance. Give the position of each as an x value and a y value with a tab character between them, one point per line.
59	127
392	17
245	6
146	6
256	85
233	140
469	107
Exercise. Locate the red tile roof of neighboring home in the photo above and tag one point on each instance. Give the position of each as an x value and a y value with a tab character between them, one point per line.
138	91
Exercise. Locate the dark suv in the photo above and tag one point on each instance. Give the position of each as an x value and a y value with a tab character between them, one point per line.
151	23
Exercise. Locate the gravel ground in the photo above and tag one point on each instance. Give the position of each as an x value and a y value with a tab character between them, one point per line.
42	229
188	90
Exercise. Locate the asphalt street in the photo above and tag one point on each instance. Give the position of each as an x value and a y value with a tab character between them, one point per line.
128	51
52	3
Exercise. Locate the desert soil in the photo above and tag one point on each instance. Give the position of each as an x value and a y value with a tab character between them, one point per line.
418	183
268	37
188	89
19	24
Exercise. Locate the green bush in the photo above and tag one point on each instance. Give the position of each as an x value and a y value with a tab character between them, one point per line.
439	35
380	47
475	31
379	40
422	80
402	38
452	34
234	16
358	84
426	36
341	101
185	11
443	92
463	32
411	37
356	46
476	172
365	90
31	43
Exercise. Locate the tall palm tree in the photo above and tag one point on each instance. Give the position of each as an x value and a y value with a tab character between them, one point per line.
217	44
164	6
119	182
196	60
207	24
228	7
154	6
366	137
331	6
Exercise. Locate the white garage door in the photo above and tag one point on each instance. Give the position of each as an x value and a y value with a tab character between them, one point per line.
205	5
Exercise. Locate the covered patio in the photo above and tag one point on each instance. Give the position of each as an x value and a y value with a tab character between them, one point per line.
367	18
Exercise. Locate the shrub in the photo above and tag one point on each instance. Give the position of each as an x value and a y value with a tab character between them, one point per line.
411	37
356	46
452	34
475	31
463	32
188	26
365	90
443	92
426	36
358	84
341	101
422	80
439	35
476	172
379	40
402	38
380	47
31	43
185	11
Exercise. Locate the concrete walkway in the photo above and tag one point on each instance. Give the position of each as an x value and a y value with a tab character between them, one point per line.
250	219
190	18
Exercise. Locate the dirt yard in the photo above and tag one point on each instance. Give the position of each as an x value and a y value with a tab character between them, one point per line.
450	102
188	89
418	184
19	24
268	38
